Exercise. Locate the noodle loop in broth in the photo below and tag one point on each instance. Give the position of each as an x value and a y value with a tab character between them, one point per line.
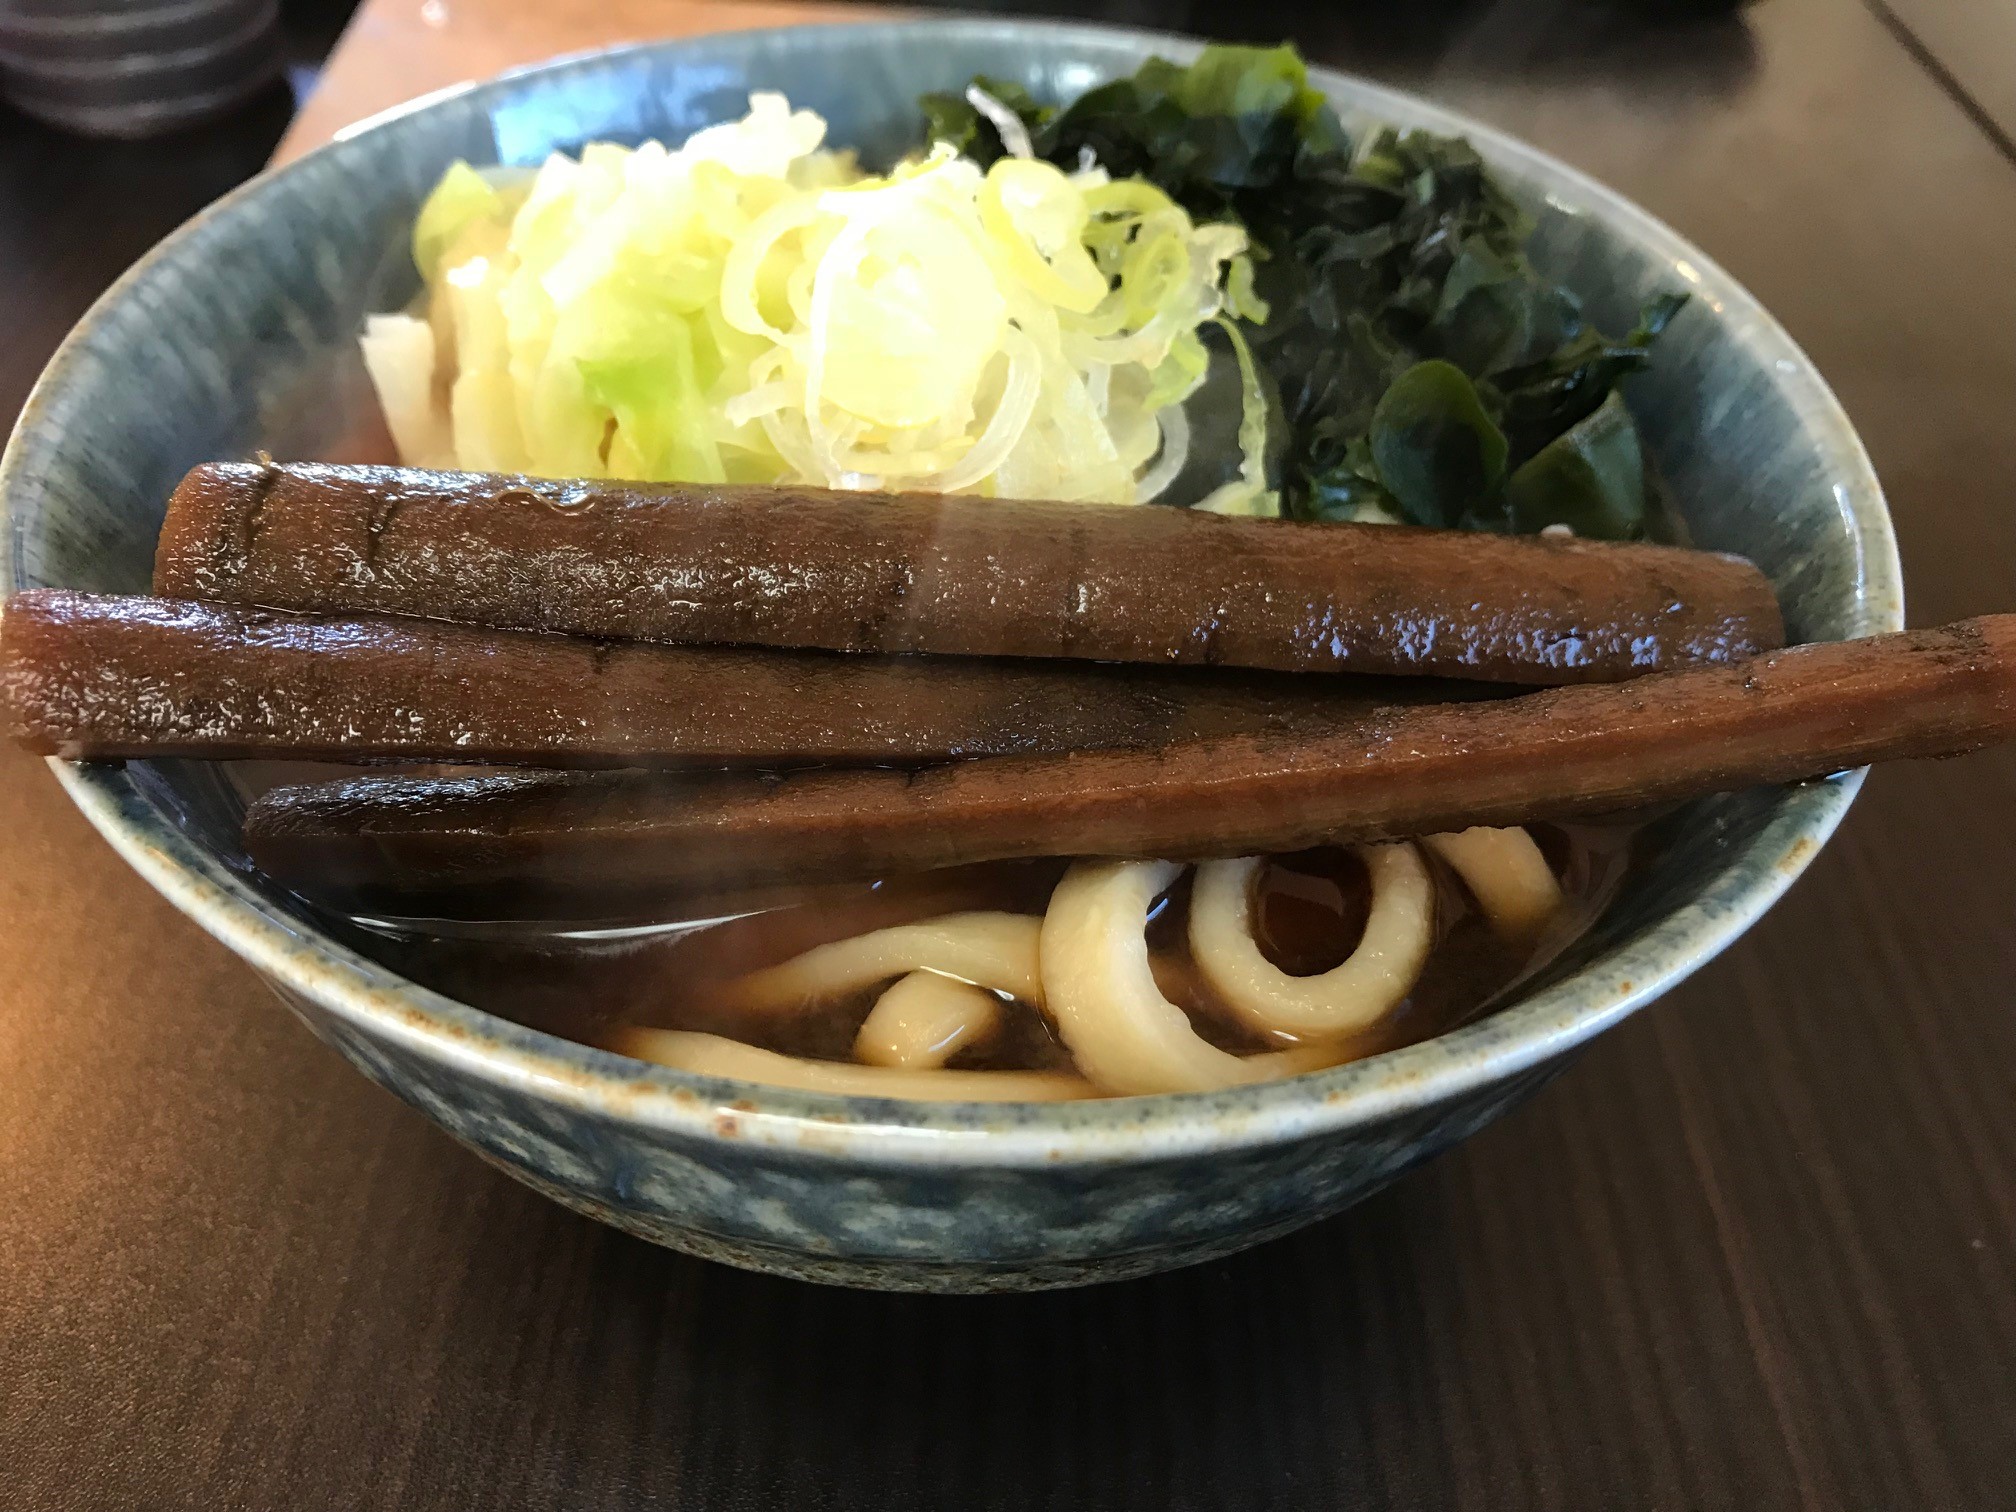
1135	977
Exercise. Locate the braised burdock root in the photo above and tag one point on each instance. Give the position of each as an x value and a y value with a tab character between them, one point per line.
1801	713
804	567
102	678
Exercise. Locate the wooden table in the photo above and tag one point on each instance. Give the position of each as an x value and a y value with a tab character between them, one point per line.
1756	1251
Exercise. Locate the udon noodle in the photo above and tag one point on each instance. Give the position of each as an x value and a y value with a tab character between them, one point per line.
1126	1018
924	1019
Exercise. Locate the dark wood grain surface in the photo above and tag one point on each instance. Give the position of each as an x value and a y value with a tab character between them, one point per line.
1756	1250
1970	45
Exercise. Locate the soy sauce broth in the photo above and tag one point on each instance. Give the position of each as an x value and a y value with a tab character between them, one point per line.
1309	912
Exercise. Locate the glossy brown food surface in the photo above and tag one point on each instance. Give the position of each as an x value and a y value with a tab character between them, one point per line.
805	567
95	677
1799	713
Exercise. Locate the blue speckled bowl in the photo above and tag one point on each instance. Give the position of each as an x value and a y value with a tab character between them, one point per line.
237	333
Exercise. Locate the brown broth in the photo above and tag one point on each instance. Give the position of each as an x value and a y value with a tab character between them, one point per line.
1309	913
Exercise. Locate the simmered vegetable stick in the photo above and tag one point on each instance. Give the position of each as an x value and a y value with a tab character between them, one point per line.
100	678
804	567
1800	713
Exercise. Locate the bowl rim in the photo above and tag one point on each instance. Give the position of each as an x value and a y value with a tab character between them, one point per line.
377	1004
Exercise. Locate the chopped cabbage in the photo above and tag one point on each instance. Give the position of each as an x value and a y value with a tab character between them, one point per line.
399	356
753	308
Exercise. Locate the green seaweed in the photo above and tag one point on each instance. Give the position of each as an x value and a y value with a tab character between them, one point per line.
1391	272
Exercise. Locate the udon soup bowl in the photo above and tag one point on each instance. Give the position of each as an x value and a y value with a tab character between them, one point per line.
238	333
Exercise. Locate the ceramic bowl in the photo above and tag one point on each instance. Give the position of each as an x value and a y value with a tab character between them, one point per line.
238	333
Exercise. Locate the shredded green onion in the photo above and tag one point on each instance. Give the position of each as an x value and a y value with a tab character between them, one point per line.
752	307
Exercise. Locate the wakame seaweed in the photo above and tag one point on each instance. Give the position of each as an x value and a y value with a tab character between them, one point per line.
1424	366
